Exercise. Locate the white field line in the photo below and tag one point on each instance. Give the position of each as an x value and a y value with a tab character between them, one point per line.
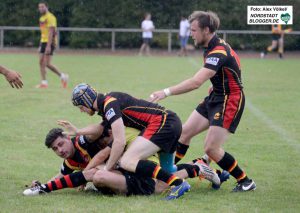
281	132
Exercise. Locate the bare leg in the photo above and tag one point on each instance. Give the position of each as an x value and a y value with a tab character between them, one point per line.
50	66
113	180
43	64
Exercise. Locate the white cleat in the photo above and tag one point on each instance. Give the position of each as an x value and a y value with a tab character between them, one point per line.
208	173
36	190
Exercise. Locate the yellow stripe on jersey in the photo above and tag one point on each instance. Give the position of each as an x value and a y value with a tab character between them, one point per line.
46	21
72	167
109	101
218	51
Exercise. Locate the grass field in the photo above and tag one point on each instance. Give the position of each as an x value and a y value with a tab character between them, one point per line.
267	143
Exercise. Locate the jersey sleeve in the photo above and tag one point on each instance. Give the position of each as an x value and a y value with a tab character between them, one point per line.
111	110
215	60
51	21
65	170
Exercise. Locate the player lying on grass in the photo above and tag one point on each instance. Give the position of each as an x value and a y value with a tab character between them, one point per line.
84	154
160	131
13	78
115	182
77	152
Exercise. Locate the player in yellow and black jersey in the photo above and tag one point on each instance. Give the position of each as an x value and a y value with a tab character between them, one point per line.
277	41
48	42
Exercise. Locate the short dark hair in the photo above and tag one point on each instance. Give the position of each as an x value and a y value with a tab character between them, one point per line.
43	2
52	135
206	19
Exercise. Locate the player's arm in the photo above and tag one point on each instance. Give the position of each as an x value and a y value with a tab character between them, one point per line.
93	129
118	146
99	158
14	78
185	86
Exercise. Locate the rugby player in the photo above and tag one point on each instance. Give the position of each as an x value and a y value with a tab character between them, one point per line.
160	131
221	111
84	154
48	25
13	78
277	41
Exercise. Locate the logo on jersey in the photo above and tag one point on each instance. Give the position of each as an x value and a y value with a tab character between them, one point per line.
212	60
81	139
217	116
110	113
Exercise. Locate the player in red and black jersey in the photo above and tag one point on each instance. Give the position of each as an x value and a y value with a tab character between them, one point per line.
160	131
221	111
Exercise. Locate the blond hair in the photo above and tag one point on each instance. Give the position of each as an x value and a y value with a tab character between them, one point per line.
206	19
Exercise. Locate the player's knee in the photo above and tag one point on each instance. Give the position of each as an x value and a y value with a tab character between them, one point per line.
128	164
186	135
89	174
99	178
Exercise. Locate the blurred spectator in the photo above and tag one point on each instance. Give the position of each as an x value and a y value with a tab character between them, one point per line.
147	27
184	33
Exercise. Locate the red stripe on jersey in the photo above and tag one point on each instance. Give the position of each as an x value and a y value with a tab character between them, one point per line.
68	181
236	57
154	121
58	183
232	104
218	48
77	164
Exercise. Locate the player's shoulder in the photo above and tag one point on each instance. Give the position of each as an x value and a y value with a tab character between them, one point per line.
50	15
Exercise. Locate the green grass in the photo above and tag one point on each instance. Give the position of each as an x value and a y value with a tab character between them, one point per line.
270	157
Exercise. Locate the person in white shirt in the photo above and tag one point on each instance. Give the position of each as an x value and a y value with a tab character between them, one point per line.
184	33
147	28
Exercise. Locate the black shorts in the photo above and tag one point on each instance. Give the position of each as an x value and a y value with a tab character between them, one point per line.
43	46
147	40
164	132
223	111
276	37
137	185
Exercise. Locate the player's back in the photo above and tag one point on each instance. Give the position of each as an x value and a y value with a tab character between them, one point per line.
136	113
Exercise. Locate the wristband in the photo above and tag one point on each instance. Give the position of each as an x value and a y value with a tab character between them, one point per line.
167	92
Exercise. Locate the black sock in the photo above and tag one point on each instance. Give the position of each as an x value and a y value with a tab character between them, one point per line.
181	150
68	181
229	164
192	170
147	168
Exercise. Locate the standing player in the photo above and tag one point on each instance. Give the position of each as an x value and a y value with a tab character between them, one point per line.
48	41
277	41
221	111
160	131
184	34
13	78
147	28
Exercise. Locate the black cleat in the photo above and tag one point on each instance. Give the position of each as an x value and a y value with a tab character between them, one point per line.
247	185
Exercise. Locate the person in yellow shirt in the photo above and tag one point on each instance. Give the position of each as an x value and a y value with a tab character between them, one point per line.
277	41
48	26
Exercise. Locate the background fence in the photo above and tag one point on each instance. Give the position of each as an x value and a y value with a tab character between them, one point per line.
114	31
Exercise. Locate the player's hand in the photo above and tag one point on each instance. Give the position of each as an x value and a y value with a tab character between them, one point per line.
14	79
81	188
48	50
157	96
71	129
